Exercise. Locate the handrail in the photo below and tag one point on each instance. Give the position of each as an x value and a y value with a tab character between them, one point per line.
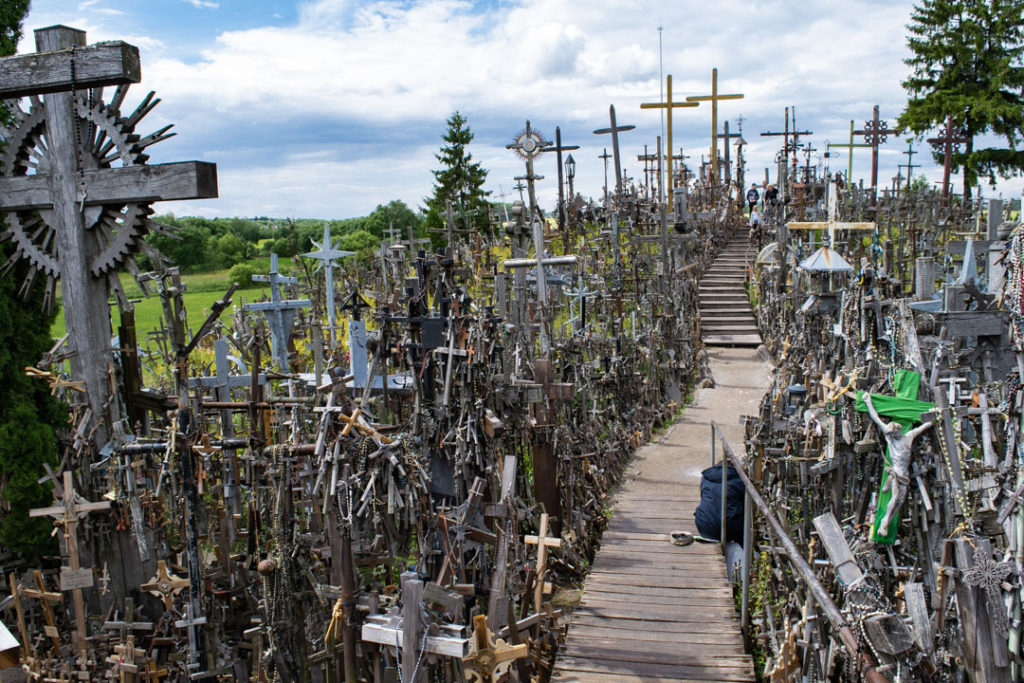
832	612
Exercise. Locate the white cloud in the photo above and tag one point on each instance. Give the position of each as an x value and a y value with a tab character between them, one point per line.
369	83
203	4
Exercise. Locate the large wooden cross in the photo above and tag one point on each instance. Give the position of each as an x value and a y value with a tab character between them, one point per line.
73	578
668	105
614	130
874	132
543	542
948	142
831	225
713	98
74	184
558	148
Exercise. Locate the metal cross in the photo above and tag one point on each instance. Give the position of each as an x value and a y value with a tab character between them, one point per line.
614	130
327	253
989	575
948	142
279	312
668	105
874	133
714	98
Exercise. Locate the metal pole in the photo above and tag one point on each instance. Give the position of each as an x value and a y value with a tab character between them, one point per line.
725	473
748	554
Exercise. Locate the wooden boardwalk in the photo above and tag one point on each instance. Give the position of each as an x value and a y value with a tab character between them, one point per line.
652	611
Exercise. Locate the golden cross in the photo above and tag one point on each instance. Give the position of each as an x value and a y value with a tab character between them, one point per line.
543	542
165	584
713	98
668	105
481	665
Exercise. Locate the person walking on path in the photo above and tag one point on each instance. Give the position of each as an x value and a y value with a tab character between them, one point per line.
752	196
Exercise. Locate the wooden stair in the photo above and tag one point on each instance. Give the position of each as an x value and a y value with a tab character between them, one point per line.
725	313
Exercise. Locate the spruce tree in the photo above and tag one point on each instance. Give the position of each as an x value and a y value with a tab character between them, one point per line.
460	180
967	64
28	413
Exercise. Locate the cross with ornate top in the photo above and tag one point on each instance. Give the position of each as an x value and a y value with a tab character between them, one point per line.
714	98
75	189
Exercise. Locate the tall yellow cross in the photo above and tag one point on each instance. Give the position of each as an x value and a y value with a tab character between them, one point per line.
713	98
668	105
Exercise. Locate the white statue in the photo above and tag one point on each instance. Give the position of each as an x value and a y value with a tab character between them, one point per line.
900	452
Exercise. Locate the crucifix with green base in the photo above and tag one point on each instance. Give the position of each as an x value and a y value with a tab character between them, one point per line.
902	410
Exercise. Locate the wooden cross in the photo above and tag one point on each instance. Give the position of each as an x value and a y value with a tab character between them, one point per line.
327	253
605	156
74	578
614	130
726	135
165	585
453	549
790	147
279	312
489	654
45	597
668	105
874	133
714	98
831	224
75	186
910	166
651	167
948	142
543	542
558	149
127	660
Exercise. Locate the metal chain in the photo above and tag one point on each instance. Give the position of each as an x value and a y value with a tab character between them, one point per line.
79	167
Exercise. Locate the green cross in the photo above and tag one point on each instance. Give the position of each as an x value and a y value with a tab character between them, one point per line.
905	410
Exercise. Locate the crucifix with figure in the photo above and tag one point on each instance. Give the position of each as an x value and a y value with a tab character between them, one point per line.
714	99
71	212
668	105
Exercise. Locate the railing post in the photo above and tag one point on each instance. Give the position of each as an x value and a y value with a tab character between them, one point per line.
725	472
712	445
748	554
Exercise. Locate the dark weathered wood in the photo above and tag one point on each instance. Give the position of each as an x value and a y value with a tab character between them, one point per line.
113	63
614	629
655	653
649	612
656	580
651	669
159	182
626	588
839	554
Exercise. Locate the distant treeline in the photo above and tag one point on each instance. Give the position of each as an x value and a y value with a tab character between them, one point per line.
200	244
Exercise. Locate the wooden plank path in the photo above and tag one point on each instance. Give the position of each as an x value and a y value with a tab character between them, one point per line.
652	611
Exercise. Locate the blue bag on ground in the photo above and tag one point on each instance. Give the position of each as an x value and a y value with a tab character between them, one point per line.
708	515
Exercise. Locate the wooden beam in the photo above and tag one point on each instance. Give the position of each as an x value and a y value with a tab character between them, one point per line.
153	183
113	63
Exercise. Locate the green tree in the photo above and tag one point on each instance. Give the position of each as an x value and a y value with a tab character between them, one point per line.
28	413
967	64
395	213
460	179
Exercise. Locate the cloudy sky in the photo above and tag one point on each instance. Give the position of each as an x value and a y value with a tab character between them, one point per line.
326	108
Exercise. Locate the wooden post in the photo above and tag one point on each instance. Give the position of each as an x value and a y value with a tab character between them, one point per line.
668	105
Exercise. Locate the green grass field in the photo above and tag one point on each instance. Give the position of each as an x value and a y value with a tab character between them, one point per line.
201	291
